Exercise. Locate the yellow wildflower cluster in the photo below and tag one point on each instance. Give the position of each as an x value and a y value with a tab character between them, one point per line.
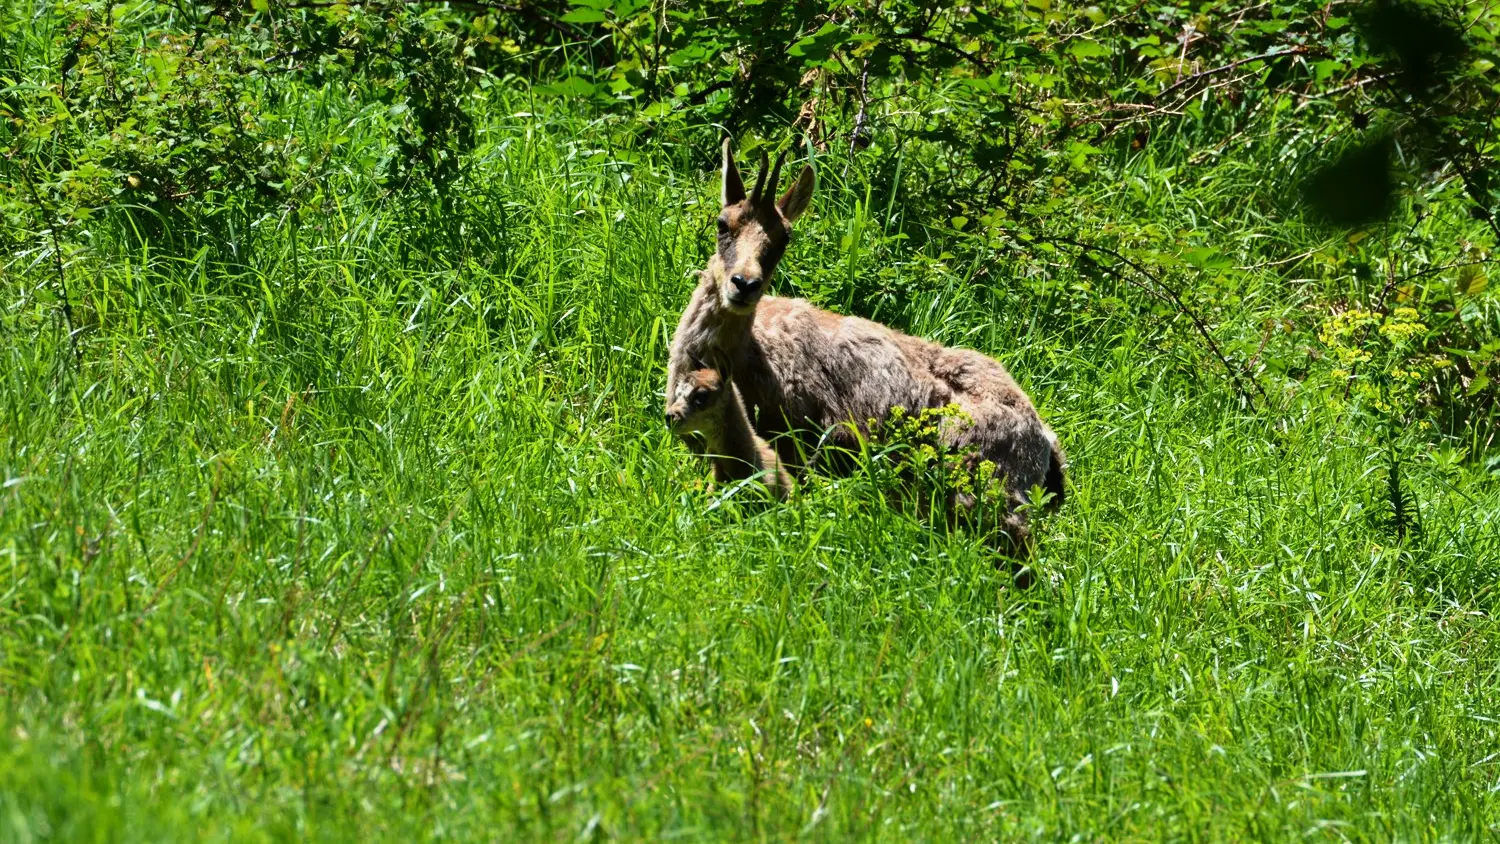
1402	325
1338	333
936	463
1376	353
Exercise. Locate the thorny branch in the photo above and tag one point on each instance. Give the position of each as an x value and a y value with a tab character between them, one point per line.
1189	80
1164	292
57	256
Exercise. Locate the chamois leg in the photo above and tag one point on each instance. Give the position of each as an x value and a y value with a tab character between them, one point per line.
1006	532
1017	548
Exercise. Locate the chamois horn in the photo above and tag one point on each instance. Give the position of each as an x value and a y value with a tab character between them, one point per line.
776	176
760	180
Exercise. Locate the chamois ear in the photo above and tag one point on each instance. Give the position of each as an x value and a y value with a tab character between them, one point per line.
796	198
734	186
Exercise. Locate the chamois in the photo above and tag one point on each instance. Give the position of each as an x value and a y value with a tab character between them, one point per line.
706	411
808	376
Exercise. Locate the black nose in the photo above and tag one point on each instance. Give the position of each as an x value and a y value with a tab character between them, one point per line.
745	285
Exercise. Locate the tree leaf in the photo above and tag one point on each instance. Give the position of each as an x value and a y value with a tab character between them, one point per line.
1471	281
585	16
1085	48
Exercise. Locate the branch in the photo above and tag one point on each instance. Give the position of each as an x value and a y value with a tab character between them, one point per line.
973	58
859	119
701	97
1188	80
62	277
1170	296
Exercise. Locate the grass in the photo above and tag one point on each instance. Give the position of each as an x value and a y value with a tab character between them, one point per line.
369	527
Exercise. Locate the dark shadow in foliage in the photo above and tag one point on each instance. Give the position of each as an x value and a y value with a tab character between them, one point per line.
1356	187
1438	107
1417	40
1420	48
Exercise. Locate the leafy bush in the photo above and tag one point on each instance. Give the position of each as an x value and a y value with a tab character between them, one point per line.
982	134
173	111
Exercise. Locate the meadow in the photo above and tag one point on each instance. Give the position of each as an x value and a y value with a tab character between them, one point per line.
365	523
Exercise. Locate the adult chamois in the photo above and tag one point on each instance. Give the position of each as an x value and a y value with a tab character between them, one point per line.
810	378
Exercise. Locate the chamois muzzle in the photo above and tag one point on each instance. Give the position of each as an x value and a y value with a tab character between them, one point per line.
746	290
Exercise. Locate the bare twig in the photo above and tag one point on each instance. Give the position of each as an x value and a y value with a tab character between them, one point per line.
1187	38
1358	83
1188	80
1165	293
859	119
57	257
1130	15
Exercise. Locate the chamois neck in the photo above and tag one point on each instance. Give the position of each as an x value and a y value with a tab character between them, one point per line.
735	455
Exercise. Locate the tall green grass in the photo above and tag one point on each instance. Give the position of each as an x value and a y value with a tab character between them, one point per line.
365	523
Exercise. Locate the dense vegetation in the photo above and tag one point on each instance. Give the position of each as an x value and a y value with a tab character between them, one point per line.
336	499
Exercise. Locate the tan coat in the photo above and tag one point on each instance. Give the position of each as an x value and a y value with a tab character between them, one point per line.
806	374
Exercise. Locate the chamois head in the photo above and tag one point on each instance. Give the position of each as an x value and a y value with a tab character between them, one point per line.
691	409
754	229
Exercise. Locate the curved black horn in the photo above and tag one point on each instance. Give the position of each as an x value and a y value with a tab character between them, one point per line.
760	180
776	175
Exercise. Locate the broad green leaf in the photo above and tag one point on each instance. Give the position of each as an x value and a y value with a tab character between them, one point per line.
573	86
1471	281
1205	258
1085	48
585	16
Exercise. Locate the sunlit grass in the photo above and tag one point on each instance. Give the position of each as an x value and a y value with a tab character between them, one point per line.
370	526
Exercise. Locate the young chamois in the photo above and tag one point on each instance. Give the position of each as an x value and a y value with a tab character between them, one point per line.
706	412
809	377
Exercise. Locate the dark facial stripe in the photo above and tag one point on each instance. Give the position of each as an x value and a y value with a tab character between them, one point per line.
773	246
726	248
771	256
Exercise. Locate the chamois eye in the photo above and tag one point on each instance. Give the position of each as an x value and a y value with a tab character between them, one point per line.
723	226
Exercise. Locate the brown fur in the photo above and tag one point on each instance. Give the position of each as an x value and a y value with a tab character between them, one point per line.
706	412
804	373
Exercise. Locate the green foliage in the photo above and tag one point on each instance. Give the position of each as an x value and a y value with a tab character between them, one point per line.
997	120
335	502
1375	361
416	555
911	460
988	120
186	110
